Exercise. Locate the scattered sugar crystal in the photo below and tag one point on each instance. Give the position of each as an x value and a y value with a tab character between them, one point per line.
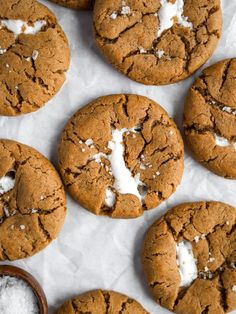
22	227
28	59
211	260
158	173
89	142
227	223
142	50
113	16
34	211
80	142
196	239
83	150
35	54
142	167
160	53
7	65
125	10
6	211
2	51
234	288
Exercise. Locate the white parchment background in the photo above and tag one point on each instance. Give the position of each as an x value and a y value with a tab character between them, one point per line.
98	252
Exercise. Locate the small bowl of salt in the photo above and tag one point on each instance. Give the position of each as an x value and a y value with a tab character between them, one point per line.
20	293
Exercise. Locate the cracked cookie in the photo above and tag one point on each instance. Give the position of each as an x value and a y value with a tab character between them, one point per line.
99	302
189	258
75	4
210	118
121	155
34	56
32	201
157	42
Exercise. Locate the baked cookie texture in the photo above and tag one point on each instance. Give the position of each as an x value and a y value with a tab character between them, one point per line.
75	4
121	155
99	302
32	201
210	118
34	56
157	42
189	258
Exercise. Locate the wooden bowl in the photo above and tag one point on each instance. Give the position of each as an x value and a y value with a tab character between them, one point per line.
12	271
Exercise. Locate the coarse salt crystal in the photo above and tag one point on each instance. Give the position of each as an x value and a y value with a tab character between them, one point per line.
17	297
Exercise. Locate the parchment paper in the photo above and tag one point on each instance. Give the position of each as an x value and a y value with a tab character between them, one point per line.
98	252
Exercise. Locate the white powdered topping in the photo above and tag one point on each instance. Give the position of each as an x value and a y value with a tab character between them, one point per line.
110	198
234	288
223	142
125	10
186	263
160	53
168	12
17	297
113	16
20	27
7	183
35	54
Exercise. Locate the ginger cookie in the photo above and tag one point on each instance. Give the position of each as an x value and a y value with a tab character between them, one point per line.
34	56
75	4
121	155
99	302
210	118
189	258
32	201
157	42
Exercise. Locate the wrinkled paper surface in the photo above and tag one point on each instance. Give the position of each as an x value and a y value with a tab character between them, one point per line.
98	252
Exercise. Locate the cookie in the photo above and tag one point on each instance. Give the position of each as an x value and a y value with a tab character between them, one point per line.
32	201
99	302
210	118
157	42
189	258
121	155
75	4
34	56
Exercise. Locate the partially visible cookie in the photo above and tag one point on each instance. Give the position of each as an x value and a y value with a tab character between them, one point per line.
189	258
100	302
32	201
210	118
121	155
75	4
157	42
34	56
